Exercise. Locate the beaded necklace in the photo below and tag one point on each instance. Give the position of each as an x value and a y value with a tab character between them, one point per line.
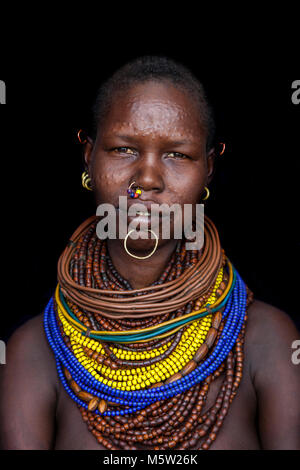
142	383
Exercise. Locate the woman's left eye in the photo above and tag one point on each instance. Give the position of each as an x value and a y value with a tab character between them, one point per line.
177	155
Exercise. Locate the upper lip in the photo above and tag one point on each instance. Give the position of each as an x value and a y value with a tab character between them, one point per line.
147	203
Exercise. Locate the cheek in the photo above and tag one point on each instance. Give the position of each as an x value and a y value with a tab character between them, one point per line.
106	182
188	185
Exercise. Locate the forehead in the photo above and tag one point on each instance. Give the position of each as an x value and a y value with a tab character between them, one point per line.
154	108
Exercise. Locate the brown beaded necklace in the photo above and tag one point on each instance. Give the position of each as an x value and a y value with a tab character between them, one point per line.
87	280
174	423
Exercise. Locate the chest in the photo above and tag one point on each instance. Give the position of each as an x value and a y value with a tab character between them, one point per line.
238	430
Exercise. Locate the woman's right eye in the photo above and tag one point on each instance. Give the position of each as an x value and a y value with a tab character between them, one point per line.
126	150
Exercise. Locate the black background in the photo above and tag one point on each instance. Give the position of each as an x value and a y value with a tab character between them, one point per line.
254	196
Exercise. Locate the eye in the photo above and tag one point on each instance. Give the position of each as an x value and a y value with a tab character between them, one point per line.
177	155
126	150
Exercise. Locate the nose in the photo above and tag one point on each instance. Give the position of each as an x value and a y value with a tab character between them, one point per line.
149	173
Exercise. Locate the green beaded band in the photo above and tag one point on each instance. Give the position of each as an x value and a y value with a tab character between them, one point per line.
152	334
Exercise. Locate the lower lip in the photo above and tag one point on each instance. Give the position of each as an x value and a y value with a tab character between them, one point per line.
142	220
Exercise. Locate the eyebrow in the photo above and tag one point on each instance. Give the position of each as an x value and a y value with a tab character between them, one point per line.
132	138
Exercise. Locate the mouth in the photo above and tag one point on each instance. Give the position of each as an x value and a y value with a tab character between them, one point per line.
137	213
143	217
147	208
144	214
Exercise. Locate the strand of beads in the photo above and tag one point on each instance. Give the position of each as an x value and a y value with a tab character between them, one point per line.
79	265
119	353
176	423
158	331
105	276
113	441
123	324
122	405
168	362
235	310
172	423
145	374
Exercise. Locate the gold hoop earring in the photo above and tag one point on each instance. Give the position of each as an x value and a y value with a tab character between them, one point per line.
140	257
86	181
207	194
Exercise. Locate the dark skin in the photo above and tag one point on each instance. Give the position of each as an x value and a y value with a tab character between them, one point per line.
149	136
35	411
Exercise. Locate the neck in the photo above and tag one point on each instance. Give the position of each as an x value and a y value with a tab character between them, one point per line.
140	273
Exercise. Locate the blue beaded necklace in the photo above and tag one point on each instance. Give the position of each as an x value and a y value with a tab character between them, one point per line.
234	313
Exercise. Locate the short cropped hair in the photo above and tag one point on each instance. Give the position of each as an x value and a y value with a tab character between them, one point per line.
154	68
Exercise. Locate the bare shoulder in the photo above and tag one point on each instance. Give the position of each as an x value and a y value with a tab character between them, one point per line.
29	345
28	389
270	336
274	368
270	324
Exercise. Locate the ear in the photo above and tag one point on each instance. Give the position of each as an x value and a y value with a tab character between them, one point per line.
88	151
210	164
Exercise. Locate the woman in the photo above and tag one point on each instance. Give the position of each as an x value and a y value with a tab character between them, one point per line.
147	344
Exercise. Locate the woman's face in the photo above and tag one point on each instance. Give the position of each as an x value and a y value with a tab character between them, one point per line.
152	135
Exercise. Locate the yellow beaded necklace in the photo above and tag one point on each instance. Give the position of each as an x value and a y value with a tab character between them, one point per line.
142	377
